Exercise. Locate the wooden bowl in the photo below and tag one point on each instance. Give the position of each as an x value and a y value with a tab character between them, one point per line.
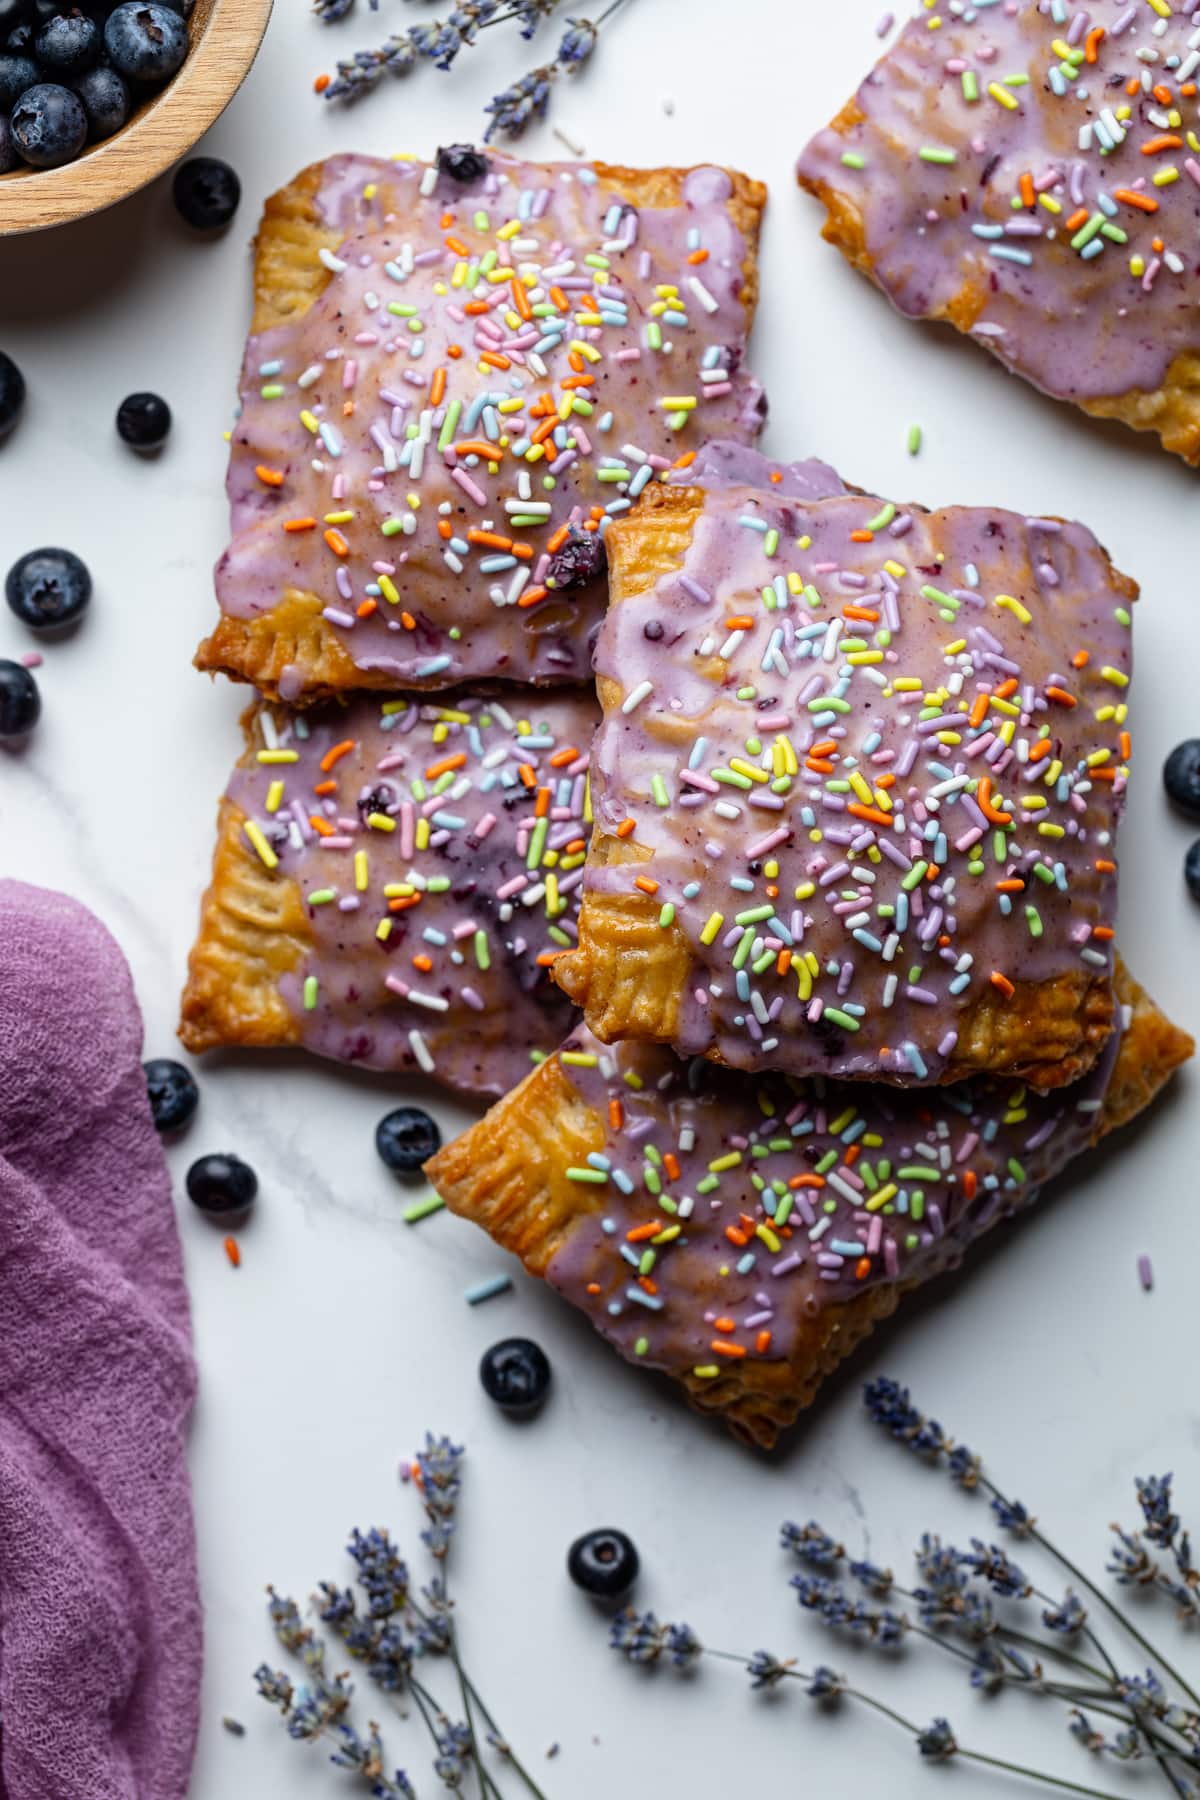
225	37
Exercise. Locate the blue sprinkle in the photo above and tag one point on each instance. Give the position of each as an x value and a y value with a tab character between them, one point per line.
487	1290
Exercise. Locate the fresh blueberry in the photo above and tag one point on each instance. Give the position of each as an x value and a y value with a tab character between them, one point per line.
604	1563
68	43
9	160
18	73
145	42
221	1185
1181	775
1191	870
20	702
515	1374
581	560
20	38
406	1138
207	192
48	589
174	1095
49	125
105	101
462	162
12	393
143	421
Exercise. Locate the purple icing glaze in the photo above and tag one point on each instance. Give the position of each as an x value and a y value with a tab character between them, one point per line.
775	1200
997	162
877	756
442	804
722	465
614	318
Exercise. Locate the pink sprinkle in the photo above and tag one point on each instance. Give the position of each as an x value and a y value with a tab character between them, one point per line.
885	25
32	659
1145	1272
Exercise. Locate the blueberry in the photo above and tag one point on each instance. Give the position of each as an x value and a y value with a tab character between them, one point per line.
12	393
174	1095
105	101
1181	775
604	1563
49	125
9	160
20	38
515	1374
207	192
1191	870
582	559
48	589
68	43
143	421
221	1185
462	162
145	42
18	73
406	1138
20	702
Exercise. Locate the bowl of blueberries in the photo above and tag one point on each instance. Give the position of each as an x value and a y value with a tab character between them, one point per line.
97	97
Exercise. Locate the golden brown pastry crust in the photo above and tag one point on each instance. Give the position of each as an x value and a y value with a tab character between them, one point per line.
292	635
508	1175
1172	410
628	974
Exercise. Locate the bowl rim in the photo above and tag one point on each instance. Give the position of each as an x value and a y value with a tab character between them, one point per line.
161	135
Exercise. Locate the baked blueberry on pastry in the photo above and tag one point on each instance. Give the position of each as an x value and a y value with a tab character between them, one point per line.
1030	173
744	1233
391	880
458	374
857	788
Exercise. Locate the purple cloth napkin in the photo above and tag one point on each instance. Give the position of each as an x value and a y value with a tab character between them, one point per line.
100	1622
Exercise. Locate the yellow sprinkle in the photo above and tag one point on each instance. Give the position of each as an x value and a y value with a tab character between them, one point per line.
338	518
907	684
896	569
1002	95
360	871
1050	203
768	1237
881	1197
310	421
383	930
1115	676
421	836
1166	176
274	796
387	588
719	1164
278	756
266	854
712	925
1014	606
1033	802
380	822
589	352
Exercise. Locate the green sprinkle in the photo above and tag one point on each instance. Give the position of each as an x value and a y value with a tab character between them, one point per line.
310	992
754	915
322	896
449	425
272	391
1034	921
915	436
421	1209
641	1346
483	955
595	1177
840	1018
881	519
658	788
933	153
853	159
667	915
537	843
915	877
771	543
970	85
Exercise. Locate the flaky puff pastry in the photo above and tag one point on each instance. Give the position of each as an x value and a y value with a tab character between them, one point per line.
456	373
983	178
857	788
744	1234
391	881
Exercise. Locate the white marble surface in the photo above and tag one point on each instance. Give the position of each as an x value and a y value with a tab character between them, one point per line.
345	1333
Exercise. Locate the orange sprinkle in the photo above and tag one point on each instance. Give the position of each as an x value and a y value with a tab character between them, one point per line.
784	962
1079	217
458	247
322	788
321	83
1012	886
560	299
1040	749
268	477
526	772
826	747
531	596
366	607
637	1233
562	757
978	712
646	883
970	1183
321	826
1188	89
479	447
424	963
1062	696
335	754
1081	659
1130	197
232	1250
548	957
521	298
593	1287
1166	140
736	1237
1132	85
871	813
1104	932
862	537
616	1115
698	256
559	539
299	524
1104	867
1104	774
685	461
1003	983
337	542
990	811
721	1348
1125	745
575	845
644	1281
762	1342
776	475
474	307
885	781
454	350
1162	94
408	622
457	761
403	902
725	1325
571	382
437	387
819	765
806	1180
446	220
542	804
671	1165
626	828
861	612
347	409
1025	184
1007	689
739	622
445	528
494	540
494	359
1092	42
862	1268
